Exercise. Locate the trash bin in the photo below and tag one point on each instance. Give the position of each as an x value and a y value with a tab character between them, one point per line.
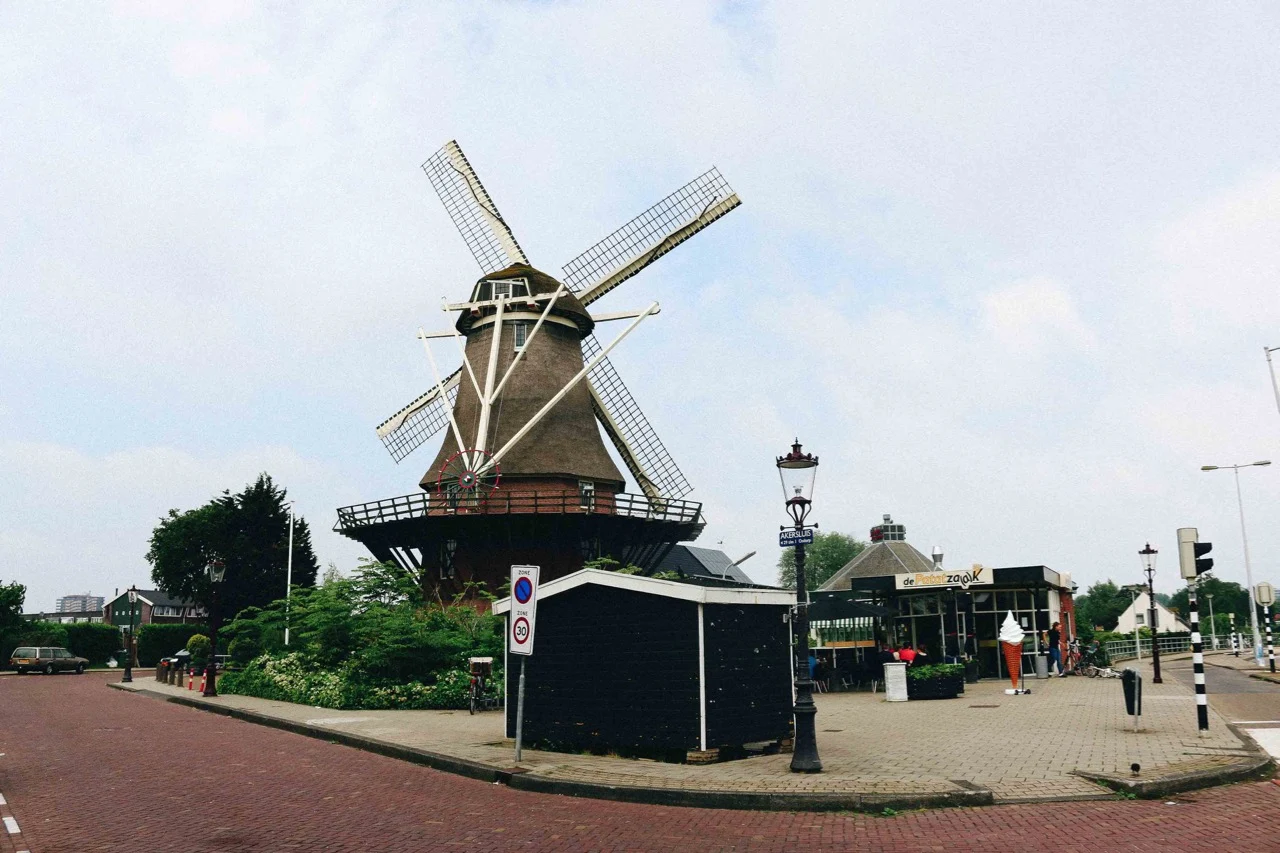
1132	682
895	682
971	671
1042	666
162	671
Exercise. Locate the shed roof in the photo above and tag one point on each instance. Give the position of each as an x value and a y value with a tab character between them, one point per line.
653	586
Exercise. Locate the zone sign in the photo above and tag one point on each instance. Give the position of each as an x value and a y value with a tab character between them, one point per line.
524	609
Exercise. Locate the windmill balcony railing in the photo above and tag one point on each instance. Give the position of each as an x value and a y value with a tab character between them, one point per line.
426	504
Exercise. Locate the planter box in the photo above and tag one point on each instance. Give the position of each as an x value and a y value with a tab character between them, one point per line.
943	687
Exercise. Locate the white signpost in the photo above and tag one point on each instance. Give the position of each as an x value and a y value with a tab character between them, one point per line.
520	624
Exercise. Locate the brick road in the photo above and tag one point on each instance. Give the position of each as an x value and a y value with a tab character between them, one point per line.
1020	747
93	769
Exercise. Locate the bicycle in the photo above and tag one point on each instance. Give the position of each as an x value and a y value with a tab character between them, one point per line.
478	691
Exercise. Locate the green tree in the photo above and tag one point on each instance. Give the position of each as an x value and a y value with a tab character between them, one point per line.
1228	597
249	531
1101	606
12	596
828	554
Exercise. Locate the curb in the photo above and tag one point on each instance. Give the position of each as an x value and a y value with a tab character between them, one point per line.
1256	767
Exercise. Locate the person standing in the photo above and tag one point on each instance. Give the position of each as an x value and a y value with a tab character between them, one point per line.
906	654
1055	648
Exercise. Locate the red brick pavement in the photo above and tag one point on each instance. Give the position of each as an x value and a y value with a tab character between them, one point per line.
93	769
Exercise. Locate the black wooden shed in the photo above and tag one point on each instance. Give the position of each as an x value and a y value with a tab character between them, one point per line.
637	665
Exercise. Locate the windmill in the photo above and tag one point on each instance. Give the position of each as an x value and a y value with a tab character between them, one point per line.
520	414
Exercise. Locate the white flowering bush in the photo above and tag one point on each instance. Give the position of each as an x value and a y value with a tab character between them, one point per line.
293	678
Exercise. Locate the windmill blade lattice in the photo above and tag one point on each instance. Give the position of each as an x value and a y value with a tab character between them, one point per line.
411	427
650	235
472	211
651	464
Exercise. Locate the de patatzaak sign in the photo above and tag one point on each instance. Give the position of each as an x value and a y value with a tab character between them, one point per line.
524	609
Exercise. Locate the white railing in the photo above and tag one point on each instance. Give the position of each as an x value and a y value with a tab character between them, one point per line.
1168	644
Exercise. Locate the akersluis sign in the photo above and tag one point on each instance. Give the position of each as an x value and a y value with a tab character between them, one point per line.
976	576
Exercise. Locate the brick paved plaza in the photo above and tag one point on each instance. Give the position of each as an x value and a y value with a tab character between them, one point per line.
89	768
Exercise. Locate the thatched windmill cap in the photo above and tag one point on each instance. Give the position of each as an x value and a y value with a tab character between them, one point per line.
539	282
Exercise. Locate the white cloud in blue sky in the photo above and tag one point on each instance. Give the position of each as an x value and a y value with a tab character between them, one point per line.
1009	270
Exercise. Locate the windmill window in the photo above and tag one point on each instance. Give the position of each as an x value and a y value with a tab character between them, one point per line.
521	335
587	494
501	289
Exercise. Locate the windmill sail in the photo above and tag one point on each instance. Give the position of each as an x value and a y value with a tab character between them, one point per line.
409	428
650	235
645	456
472	211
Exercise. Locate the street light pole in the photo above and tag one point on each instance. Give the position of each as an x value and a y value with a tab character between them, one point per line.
1244	538
128	652
1148	555
217	571
1271	368
798	471
1213	630
288	576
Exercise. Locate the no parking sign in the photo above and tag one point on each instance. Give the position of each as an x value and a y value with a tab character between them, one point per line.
524	601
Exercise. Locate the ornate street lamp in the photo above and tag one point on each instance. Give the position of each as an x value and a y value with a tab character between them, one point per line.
217	570
1148	555
128	652
798	470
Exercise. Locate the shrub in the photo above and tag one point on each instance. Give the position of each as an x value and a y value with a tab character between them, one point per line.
199	645
936	670
94	640
160	641
294	678
244	649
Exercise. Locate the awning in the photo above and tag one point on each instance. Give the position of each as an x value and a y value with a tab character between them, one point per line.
830	606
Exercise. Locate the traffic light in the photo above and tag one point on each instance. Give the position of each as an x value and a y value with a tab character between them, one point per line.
1191	560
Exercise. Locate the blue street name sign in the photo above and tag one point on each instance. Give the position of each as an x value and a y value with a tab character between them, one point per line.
789	538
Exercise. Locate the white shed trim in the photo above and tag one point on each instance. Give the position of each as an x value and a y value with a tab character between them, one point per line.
653	586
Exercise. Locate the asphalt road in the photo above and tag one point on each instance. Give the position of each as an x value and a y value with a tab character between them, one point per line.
87	768
1252	702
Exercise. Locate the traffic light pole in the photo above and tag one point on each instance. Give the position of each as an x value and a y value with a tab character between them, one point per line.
1197	660
1271	646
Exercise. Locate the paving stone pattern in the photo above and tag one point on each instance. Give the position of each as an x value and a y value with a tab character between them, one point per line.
1024	748
94	769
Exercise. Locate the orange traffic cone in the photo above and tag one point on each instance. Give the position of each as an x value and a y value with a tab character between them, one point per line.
1013	661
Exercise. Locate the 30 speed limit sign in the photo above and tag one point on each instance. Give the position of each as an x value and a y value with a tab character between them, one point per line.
524	601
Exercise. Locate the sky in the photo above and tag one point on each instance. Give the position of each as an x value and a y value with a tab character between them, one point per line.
1008	269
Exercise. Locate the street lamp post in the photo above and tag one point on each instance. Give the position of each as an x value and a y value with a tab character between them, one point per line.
798	471
1275	388
217	571
1244	538
128	651
1213	629
288	576
1148	555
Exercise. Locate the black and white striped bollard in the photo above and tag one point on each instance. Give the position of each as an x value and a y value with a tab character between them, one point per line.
1197	660
1271	646
1235	638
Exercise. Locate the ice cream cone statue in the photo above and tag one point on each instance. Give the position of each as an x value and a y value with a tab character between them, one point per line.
1011	643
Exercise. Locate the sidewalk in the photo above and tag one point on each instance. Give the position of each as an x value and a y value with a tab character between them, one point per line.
981	748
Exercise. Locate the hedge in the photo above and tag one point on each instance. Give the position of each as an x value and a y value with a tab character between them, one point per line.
94	640
161	641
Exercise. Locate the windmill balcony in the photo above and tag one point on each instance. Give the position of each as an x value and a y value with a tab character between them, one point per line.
501	502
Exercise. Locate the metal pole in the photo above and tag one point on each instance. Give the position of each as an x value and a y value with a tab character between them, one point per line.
1155	640
1272	370
1197	660
520	711
128	652
211	669
1248	571
1137	641
1235	640
804	751
1213	626
288	576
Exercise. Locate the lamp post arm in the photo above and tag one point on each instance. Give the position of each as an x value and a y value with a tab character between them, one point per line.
1271	368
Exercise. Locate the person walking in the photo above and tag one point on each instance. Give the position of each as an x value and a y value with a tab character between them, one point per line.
1055	648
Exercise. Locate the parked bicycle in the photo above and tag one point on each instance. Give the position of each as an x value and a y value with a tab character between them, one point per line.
482	697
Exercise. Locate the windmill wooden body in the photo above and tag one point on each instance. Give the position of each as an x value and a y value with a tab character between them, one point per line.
523	475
